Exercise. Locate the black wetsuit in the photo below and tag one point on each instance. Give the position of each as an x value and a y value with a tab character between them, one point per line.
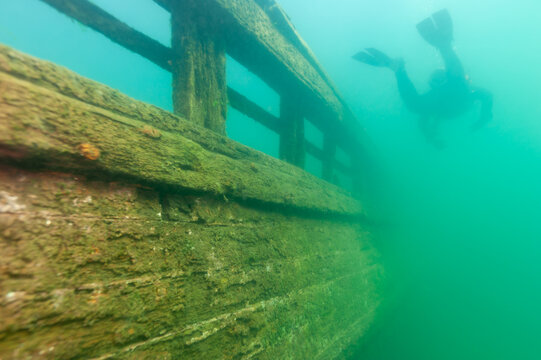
453	97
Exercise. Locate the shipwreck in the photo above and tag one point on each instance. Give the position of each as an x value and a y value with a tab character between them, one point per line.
130	232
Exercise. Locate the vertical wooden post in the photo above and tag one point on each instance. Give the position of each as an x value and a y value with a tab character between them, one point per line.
292	147
329	151
358	180
199	84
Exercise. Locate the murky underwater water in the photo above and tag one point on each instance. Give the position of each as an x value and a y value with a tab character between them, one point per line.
460	227
463	236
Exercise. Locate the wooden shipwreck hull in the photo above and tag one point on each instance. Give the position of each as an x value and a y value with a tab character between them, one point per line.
129	232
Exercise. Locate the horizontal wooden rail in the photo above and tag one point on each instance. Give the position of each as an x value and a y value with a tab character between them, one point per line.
283	24
284	62
91	15
58	114
164	4
254	111
320	155
281	59
94	17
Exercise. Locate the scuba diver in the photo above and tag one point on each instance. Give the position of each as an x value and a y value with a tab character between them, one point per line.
451	94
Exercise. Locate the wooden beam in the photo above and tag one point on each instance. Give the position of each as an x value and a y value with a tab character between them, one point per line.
94	17
164	4
320	155
254	111
199	84
313	150
65	82
292	137
199	87
99	20
329	153
359	169
283	24
285	64
344	169
54	119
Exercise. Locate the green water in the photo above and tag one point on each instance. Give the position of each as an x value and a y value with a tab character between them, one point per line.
460	227
464	224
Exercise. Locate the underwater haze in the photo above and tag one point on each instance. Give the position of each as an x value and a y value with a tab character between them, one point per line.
462	225
459	227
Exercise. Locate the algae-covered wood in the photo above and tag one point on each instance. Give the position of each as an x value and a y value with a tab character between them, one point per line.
94	269
198	65
258	35
48	112
128	233
261	40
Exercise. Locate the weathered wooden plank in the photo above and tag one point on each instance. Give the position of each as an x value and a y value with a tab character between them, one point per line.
254	42
199	84
197	59
67	83
254	111
165	4
283	24
119	32
262	39
93	16
39	124
93	269
161	55
329	150
314	150
321	155
282	60
284	53
292	137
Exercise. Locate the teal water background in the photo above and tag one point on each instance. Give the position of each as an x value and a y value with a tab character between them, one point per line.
464	230
461	227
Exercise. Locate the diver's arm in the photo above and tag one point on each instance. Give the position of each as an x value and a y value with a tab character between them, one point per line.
485	97
453	65
407	90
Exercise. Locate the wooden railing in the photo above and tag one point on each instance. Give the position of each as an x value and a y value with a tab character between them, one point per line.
258	35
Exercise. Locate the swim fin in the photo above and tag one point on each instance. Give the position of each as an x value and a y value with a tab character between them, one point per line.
437	30
373	57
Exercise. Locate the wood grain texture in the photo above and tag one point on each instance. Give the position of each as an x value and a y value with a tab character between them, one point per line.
127	232
259	36
46	114
199	84
95	269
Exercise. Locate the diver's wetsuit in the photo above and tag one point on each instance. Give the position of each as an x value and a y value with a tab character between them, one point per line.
452	97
